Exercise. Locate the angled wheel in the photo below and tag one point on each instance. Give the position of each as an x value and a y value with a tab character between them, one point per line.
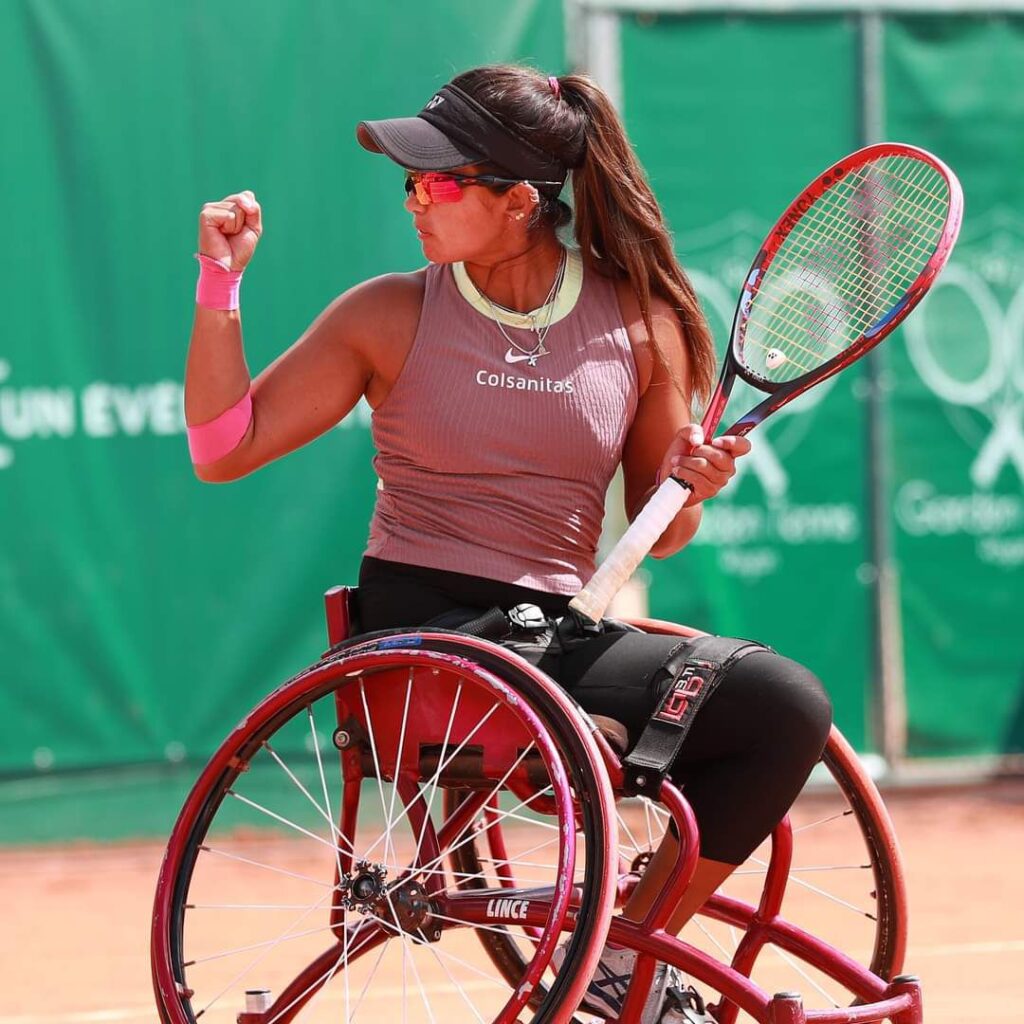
843	884
315	865
831	871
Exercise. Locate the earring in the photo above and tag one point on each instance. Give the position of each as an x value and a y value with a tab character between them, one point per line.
519	216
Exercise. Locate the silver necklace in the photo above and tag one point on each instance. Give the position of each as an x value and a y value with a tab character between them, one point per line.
548	305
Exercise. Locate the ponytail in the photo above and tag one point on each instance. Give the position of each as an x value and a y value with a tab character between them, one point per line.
620	228
617	221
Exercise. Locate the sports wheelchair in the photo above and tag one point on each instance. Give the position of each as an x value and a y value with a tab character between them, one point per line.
408	830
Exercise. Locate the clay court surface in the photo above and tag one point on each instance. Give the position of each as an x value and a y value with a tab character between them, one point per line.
74	942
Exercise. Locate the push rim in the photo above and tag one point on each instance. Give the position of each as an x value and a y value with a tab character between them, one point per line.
294	700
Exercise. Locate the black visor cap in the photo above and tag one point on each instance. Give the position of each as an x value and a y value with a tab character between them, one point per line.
453	130
415	143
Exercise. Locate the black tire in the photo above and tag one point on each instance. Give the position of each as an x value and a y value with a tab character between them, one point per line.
319	686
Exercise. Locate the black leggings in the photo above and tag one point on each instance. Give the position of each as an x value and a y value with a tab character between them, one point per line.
751	747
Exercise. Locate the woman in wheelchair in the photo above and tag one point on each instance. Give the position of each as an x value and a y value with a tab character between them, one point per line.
540	348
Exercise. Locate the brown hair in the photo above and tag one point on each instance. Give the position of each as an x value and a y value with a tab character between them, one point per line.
617	221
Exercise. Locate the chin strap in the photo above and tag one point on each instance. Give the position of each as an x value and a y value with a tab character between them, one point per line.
694	669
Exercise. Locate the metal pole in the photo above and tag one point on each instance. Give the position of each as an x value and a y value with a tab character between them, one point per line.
573	16
602	51
888	717
597	50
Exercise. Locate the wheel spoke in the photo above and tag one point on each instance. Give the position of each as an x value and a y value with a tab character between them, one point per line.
246	906
435	782
458	988
625	828
366	984
320	984
497	929
325	814
803	871
650	826
437	775
335	831
824	821
284	821
710	936
401	933
419	984
268	947
267	944
465	876
401	748
494	979
463	839
526	853
531	821
320	883
825	894
388	824
806	975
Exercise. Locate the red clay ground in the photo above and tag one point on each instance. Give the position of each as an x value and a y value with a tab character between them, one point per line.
74	942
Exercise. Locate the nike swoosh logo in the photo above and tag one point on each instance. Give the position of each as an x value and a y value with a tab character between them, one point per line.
514	357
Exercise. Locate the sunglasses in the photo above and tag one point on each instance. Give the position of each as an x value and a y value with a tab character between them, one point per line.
437	187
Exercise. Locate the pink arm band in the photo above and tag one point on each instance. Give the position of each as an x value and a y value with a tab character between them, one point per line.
218	285
211	441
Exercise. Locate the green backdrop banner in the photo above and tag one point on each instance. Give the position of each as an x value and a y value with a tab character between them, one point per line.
784	554
956	86
142	611
781	553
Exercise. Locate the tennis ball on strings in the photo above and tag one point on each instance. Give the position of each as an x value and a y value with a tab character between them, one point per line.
774	359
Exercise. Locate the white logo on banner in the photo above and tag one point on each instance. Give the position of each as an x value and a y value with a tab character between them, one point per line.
984	372
751	535
99	410
966	343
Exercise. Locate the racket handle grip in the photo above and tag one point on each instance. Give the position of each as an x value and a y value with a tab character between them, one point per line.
633	546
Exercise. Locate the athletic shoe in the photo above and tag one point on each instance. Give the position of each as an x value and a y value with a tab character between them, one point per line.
685	1006
607	990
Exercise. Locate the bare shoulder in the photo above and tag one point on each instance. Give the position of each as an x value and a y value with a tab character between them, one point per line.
382	307
668	336
375	323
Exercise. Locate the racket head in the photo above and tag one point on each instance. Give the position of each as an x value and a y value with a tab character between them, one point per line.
848	260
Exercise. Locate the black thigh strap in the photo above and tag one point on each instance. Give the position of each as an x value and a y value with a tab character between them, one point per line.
695	668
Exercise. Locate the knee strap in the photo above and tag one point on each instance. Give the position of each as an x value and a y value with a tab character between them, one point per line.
695	668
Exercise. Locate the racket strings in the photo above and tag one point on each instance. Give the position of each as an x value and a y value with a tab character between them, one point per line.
864	233
846	263
912	255
901	237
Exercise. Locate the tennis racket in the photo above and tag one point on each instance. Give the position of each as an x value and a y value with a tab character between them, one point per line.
848	260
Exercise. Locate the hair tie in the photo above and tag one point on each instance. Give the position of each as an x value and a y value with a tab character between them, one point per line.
555	87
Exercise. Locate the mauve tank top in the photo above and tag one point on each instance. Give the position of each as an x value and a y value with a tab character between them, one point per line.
491	466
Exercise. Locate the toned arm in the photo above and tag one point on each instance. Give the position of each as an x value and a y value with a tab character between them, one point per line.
355	347
663	412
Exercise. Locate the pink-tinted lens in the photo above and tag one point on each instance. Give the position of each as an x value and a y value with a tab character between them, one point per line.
442	188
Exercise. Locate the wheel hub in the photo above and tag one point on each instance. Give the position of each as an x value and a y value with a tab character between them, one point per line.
410	908
406	907
363	888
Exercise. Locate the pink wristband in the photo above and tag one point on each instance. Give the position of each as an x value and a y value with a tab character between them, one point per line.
211	441
218	285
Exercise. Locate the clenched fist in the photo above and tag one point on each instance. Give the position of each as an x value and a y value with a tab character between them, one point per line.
230	229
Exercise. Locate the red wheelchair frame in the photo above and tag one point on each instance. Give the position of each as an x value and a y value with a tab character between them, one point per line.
480	724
